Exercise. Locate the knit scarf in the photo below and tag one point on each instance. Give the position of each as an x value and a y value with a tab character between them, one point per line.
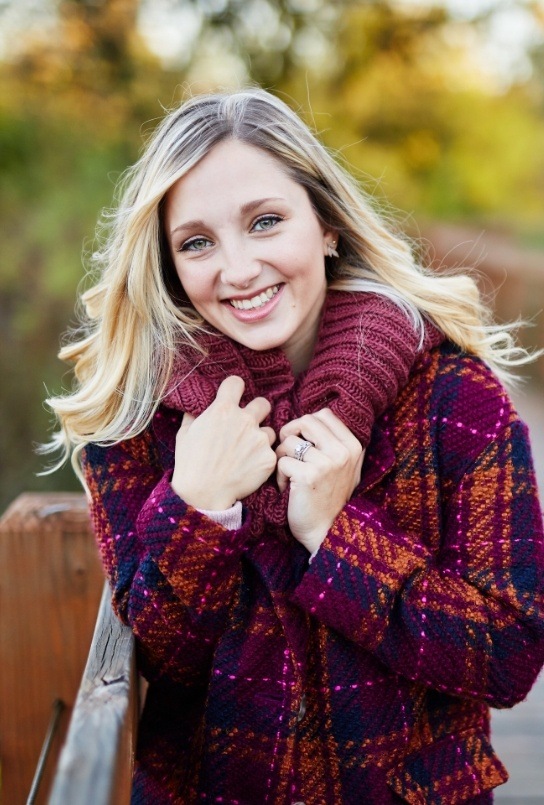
364	351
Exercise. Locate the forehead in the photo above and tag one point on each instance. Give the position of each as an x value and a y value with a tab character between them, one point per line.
232	152
231	170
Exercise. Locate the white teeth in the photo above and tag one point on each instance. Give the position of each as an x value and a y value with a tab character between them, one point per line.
257	301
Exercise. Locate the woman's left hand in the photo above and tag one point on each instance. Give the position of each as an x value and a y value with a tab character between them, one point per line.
323	481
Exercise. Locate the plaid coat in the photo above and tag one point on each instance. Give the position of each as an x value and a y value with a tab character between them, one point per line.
366	675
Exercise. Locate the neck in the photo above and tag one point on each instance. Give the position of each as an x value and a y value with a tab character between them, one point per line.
300	352
300	356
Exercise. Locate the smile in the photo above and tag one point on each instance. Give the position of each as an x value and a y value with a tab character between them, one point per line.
256	301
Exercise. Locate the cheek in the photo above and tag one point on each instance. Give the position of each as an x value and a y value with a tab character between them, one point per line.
194	285
302	260
307	266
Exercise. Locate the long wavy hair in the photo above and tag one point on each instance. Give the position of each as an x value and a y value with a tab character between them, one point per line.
136	315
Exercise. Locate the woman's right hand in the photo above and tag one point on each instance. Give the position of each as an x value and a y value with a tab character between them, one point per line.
224	454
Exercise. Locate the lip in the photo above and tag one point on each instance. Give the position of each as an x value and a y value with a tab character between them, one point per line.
251	294
255	314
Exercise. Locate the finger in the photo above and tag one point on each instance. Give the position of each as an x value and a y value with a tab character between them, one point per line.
284	472
186	423
289	448
231	390
337	427
282	479
289	470
312	429
270	434
259	408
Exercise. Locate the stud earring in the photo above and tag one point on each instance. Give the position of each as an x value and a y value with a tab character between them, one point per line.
331	249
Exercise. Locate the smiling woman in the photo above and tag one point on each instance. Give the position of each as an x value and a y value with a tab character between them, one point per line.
252	263
314	500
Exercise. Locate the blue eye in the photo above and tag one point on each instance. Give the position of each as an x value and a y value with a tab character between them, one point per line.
195	245
266	222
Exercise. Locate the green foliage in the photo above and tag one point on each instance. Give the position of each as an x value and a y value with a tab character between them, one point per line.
56	176
405	104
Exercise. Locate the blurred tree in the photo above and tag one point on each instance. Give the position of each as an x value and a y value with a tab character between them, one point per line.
69	103
269	37
89	63
412	105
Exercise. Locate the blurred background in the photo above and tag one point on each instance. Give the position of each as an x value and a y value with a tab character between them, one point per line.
437	107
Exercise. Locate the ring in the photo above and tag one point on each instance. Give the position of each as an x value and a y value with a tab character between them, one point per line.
301	449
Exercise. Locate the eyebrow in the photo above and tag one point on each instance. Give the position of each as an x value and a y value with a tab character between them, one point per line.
244	210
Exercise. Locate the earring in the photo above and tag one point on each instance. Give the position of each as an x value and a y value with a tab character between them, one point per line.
331	249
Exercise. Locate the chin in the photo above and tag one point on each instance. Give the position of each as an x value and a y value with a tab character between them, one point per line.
258	345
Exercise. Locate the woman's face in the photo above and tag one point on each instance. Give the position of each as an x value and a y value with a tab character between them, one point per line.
249	249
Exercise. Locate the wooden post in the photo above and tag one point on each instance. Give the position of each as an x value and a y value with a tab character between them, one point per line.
50	584
96	762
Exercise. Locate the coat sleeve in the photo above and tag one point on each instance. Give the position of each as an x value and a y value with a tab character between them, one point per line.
468	619
172	570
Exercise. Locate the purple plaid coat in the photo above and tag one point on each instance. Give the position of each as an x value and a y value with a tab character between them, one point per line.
367	675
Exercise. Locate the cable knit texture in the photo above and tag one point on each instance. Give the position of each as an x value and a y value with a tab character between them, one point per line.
367	675
364	352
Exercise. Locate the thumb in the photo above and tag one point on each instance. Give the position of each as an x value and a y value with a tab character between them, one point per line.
231	389
282	478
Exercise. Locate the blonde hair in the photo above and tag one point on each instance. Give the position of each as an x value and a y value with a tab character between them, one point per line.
136	316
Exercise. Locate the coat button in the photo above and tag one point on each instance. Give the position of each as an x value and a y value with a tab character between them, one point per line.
300	716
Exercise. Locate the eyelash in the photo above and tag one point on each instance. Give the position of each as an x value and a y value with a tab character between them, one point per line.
186	247
268	217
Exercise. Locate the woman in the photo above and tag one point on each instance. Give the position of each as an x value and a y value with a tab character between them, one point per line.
314	500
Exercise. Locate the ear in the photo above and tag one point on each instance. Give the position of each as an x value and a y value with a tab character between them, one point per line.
330	243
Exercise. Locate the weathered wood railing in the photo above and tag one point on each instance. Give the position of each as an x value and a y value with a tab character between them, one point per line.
51	579
50	585
95	766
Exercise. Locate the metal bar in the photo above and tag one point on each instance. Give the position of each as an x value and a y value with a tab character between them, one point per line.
58	708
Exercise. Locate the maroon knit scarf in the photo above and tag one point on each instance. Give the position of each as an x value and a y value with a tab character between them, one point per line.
364	352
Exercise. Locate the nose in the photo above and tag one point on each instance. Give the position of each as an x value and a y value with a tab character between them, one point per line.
239	269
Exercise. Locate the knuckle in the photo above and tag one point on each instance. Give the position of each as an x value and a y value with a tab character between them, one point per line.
353	448
247	420
343	456
289	428
288	443
354	443
245	416
221	406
